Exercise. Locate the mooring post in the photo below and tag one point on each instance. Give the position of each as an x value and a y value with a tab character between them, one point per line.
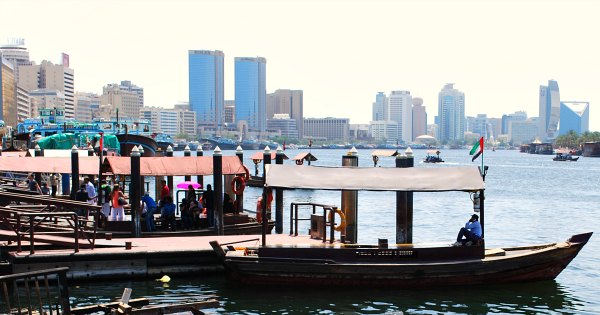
218	189
38	176
200	178
279	197
74	171
187	152
350	202
410	162
134	193
239	152
401	211
170	178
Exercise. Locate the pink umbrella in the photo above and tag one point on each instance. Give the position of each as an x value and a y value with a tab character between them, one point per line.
186	185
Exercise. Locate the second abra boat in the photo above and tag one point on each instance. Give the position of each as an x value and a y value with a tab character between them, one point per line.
400	265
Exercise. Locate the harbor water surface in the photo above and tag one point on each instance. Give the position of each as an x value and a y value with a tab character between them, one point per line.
530	199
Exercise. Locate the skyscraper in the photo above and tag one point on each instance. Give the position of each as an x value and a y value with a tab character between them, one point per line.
16	53
380	107
451	113
419	118
8	100
400	111
50	76
126	102
285	101
574	116
206	87
549	111
251	92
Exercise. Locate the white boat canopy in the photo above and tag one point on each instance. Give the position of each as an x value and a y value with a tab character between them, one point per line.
466	178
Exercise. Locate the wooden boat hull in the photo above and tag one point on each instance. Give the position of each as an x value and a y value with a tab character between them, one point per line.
519	265
591	149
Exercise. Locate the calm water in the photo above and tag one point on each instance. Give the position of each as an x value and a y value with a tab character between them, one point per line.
530	199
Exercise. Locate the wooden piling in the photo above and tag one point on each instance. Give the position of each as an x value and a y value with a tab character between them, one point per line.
74	171
218	190
279	197
350	201
134	194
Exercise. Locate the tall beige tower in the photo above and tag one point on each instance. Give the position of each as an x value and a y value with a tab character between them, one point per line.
8	100
50	76
284	101
419	117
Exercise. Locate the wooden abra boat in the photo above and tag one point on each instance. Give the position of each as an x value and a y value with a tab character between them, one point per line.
402	265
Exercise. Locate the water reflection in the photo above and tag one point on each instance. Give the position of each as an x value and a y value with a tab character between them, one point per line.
547	297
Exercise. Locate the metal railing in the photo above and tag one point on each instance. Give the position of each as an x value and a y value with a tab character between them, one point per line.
294	218
39	292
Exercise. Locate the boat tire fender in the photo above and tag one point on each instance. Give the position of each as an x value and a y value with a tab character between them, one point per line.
299	162
342	224
238	184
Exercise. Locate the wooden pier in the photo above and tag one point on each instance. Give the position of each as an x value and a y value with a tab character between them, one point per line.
147	258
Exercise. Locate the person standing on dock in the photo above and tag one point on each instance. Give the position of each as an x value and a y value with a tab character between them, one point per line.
105	212
82	196
208	199
150	206
471	232
117	212
32	185
53	184
91	190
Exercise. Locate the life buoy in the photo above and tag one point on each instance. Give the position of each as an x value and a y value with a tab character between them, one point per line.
247	173
238	184
342	224
299	162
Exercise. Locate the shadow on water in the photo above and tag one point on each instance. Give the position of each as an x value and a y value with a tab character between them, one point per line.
534	298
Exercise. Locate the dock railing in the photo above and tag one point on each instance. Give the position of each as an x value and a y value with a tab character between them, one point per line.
46	225
295	218
39	292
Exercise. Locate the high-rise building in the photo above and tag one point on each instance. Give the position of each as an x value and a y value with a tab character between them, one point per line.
23	104
574	116
494	127
284	125
50	76
400	111
329	128
384	131
285	101
229	112
549	111
16	53
127	86
380	107
251	92
206	88
8	96
523	131
480	126
86	104
125	102
46	99
506	119
170	121
451	113
419	118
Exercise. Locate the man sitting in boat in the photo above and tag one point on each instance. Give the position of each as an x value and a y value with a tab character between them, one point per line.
471	232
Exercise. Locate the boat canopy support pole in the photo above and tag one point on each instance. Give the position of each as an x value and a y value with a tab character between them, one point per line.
279	197
265	196
410	162
134	196
401	206
200	178
170	178
218	190
239	199
350	202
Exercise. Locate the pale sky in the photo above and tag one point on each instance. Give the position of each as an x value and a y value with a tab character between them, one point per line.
341	53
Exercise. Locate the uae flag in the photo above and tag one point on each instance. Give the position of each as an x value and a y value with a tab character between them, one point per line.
477	149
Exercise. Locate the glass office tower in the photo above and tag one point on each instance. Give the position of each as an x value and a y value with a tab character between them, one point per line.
574	116
206	88
251	92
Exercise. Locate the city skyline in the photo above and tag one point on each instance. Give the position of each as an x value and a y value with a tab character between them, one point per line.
497	53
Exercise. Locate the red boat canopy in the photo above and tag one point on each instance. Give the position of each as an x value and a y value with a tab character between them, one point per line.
305	156
172	166
43	164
